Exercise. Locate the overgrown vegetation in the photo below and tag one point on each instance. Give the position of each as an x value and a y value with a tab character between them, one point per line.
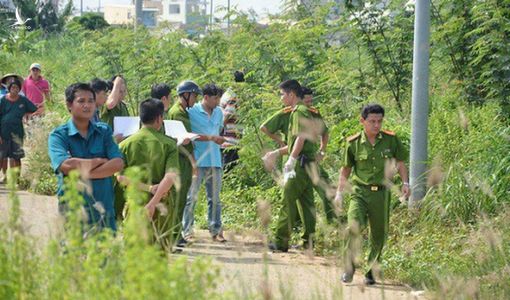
455	243
101	266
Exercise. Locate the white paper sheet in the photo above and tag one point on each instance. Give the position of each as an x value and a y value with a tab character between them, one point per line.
177	130
125	125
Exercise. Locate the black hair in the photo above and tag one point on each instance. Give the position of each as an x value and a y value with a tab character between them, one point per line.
371	109
238	76
306	90
99	85
150	110
212	90
79	86
160	90
14	82
292	85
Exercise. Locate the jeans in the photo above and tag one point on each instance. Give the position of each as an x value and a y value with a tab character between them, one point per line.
212	176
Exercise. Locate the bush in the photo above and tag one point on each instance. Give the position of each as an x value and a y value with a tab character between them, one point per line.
90	21
100	266
37	173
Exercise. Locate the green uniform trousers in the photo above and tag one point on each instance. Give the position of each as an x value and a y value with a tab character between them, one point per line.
327	204
299	188
119	201
162	224
372	208
186	174
320	188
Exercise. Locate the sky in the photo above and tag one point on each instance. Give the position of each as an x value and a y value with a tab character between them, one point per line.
262	7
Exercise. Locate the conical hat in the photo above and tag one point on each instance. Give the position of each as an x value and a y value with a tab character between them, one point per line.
4	78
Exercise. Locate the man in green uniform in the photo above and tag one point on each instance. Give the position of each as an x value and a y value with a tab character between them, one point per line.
187	92
157	155
305	126
370	155
115	105
161	91
279	123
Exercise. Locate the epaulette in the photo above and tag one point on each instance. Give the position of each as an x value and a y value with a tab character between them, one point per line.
314	110
287	109
388	132
353	137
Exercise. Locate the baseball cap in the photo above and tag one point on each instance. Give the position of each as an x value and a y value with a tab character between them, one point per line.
35	66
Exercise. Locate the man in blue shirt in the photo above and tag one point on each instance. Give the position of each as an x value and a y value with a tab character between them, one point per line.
87	146
207	121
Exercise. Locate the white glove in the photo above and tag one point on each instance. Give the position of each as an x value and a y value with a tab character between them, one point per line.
288	169
270	158
338	203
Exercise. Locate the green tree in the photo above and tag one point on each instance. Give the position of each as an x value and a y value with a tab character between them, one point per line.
90	21
43	14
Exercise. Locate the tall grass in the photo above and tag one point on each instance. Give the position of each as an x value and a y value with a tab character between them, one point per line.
100	266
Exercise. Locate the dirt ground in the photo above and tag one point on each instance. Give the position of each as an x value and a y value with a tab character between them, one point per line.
247	268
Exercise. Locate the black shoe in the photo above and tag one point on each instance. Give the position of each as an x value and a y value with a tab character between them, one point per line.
181	243
176	250
369	278
274	248
347	277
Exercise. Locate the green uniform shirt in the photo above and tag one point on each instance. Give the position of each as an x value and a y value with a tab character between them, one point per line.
151	150
178	113
106	115
367	160
11	116
306	122
279	122
165	117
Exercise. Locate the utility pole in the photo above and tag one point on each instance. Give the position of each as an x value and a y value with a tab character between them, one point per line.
211	17
228	16
420	102
81	8
138	12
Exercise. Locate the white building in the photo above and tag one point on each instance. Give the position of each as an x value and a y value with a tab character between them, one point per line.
125	14
183	11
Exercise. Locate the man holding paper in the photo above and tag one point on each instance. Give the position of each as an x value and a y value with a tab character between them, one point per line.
157	156
207	121
188	92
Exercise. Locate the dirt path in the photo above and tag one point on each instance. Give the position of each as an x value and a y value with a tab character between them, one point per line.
246	266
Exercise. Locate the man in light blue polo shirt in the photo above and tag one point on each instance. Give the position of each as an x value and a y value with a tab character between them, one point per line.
207	121
81	144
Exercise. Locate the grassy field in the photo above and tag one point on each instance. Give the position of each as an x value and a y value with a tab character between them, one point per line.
456	244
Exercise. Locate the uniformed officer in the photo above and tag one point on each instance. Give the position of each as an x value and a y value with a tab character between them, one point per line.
368	155
115	105
188	92
279	123
305	126
157	155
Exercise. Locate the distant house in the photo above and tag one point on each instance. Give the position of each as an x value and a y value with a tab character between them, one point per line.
125	14
180	13
185	12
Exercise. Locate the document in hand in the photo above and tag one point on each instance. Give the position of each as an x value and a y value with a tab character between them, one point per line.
177	130
125	125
